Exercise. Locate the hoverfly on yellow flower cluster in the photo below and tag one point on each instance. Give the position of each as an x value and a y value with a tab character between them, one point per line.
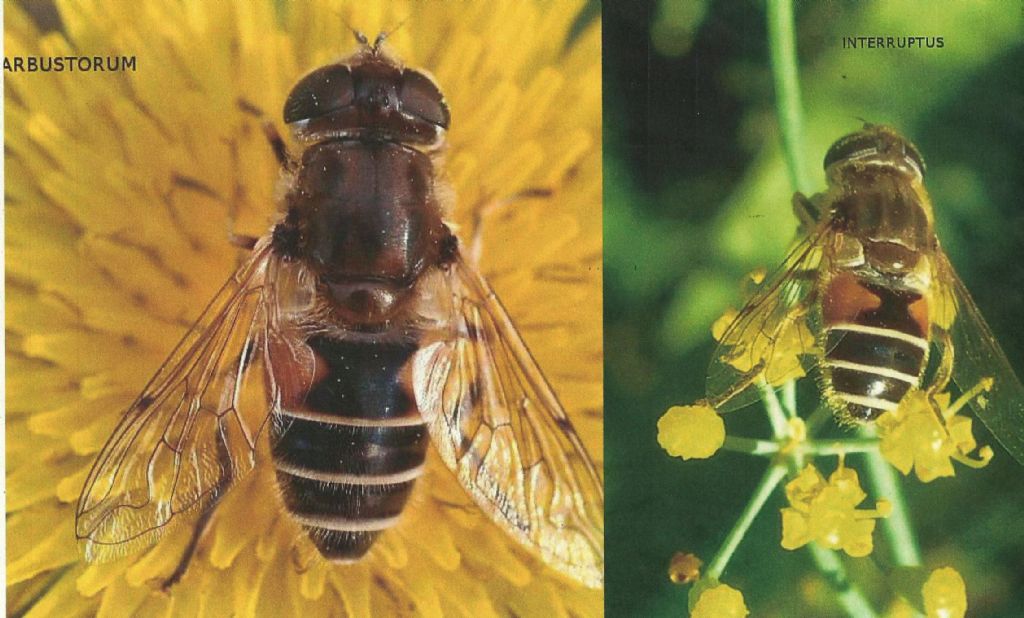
867	296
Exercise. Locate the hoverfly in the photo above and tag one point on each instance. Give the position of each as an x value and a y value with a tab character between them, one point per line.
875	289
353	335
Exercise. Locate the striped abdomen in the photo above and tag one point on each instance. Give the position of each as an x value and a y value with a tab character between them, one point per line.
347	455
875	342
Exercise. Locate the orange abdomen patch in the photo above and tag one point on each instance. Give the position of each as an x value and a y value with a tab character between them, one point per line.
846	299
875	342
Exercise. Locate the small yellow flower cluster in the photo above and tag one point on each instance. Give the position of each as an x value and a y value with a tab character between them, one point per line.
783	348
827	512
926	435
691	432
720	601
945	594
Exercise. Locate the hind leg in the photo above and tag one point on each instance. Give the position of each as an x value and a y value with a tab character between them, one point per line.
203	523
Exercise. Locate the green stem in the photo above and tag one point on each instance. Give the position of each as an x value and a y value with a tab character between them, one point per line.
772	476
849	594
842	447
750	446
897	528
772	405
789	398
782	51
817	418
753	446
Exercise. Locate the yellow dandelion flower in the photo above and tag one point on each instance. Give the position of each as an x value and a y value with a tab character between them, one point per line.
691	432
945	594
917	436
121	189
721	601
826	512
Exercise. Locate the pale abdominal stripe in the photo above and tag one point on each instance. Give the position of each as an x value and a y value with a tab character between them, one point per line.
352	421
346	524
350	479
881	332
870	402
873	369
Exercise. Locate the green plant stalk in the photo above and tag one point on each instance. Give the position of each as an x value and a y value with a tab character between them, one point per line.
789	398
766	448
782	53
841	447
751	446
776	414
897	527
849	594
771	478
817	418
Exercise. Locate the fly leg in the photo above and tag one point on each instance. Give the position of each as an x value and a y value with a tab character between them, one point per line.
203	523
277	143
284	159
242	241
806	211
943	373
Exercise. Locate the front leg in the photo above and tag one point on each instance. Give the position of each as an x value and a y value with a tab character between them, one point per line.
806	211
277	143
279	147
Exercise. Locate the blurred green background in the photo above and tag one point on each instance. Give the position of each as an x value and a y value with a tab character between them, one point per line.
697	195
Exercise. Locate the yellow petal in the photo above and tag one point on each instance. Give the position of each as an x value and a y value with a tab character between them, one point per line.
45	529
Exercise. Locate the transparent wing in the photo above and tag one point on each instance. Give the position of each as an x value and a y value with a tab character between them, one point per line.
771	337
193	429
497	424
976	356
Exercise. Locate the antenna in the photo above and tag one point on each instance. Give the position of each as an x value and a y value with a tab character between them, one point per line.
360	37
384	34
867	124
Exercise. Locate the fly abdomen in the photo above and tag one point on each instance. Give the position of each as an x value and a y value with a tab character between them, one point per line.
348	456
875	345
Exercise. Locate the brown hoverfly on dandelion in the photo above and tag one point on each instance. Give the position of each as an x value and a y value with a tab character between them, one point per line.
356	332
867	295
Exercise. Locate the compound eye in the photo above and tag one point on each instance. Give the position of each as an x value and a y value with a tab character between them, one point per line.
322	91
851	146
911	151
421	97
